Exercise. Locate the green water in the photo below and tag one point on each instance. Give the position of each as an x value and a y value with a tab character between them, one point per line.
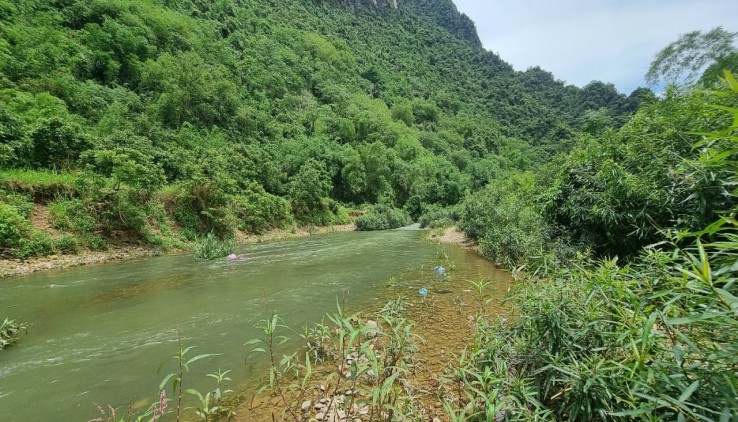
99	333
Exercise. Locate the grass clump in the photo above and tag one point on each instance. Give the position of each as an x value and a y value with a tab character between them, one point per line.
41	184
10	330
209	247
364	363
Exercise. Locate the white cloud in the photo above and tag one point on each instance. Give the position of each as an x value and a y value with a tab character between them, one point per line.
583	40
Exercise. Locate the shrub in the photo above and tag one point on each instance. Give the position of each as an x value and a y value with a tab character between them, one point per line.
121	210
258	211
383	217
308	190
22	203
436	216
71	215
503	218
95	242
656	334
13	227
57	143
199	208
66	244
38	244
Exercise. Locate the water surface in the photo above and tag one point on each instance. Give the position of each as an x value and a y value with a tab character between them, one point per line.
99	333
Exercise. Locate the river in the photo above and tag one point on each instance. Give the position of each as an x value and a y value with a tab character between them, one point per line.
99	333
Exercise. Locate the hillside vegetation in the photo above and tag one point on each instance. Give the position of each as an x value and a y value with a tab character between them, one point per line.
162	121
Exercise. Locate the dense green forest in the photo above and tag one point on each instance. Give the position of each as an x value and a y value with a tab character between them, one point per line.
161	121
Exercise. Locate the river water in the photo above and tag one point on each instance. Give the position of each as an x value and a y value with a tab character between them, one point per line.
99	333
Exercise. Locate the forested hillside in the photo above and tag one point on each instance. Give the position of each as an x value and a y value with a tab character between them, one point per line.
162	122
159	121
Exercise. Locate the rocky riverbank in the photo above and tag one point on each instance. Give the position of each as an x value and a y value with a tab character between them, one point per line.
17	267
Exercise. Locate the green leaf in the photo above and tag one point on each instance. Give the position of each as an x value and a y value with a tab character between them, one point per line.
689	391
690	319
203	356
633	412
647	330
729	299
165	380
196	393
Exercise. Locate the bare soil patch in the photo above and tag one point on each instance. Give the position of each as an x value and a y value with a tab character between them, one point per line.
453	236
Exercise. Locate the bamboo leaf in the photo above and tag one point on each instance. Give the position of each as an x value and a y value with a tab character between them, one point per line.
647	331
633	412
687	393
203	356
690	319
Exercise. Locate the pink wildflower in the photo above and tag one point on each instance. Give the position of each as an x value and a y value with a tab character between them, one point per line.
163	402
160	409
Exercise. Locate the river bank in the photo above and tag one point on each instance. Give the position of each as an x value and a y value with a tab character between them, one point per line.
452	236
17	267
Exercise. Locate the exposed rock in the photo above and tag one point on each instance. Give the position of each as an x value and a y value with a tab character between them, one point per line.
320	416
306	405
371	328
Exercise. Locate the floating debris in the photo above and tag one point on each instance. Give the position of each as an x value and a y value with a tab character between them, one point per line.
423	292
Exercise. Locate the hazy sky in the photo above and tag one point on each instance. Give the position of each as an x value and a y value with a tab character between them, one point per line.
582	40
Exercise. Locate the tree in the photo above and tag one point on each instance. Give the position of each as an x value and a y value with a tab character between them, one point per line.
57	143
686	58
309	187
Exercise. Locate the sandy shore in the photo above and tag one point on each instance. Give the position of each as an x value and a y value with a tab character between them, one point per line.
16	267
452	236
